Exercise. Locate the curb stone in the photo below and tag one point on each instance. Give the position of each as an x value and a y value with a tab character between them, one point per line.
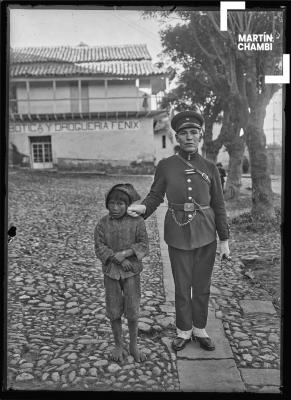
216	371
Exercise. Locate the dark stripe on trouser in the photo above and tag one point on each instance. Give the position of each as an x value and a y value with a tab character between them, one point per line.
192	268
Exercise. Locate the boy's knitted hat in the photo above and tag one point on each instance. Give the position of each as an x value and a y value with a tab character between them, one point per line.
124	189
118	195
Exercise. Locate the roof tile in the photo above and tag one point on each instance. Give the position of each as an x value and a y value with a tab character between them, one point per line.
126	60
80	53
117	68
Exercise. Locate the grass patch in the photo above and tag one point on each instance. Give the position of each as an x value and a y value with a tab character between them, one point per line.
246	222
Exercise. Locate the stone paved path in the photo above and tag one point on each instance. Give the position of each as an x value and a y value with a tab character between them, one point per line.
245	326
58	335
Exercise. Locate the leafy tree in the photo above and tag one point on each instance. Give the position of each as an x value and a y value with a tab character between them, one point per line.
245	71
203	82
236	80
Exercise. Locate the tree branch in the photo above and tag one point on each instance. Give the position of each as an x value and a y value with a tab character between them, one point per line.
198	42
249	21
211	17
215	48
207	85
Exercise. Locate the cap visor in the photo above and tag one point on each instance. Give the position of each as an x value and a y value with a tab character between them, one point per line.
189	125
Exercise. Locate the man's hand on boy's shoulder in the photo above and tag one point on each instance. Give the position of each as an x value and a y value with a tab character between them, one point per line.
135	210
126	265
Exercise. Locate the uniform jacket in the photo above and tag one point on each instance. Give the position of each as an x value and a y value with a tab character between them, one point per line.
112	235
170	180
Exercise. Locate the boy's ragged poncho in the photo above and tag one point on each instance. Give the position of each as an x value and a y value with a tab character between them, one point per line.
113	235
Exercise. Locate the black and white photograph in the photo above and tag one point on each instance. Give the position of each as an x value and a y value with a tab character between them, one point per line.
145	163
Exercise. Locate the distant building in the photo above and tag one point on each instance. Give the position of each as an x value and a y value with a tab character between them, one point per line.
274	154
84	106
273	130
164	137
273	120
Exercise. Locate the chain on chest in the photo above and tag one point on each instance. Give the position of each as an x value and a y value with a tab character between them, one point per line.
191	186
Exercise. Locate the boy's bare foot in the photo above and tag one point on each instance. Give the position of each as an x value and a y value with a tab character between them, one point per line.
118	353
137	354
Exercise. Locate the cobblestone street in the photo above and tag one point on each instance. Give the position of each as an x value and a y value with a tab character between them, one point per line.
144	200
58	334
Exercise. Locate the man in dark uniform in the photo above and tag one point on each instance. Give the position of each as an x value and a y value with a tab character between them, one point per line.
196	211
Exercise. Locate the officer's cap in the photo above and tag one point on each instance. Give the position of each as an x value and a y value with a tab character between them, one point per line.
186	119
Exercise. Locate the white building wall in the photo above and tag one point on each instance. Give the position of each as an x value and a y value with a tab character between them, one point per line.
161	152
273	121
120	146
107	145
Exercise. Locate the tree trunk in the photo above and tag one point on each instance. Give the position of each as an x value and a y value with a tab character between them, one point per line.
209	147
212	150
235	146
233	183
262	195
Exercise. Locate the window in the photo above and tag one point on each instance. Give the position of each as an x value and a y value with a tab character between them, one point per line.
164	141
47	152
42	152
41	149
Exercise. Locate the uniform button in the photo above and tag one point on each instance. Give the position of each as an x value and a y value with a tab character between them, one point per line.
188	180
190	198
189	188
189	216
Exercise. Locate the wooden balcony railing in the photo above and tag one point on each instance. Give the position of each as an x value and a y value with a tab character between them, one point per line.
83	105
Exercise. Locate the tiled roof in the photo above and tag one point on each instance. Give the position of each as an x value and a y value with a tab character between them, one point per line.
126	60
115	68
81	53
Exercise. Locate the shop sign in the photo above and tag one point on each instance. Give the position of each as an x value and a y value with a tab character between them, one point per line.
74	126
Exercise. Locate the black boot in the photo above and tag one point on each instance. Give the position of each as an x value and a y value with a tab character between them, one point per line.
179	343
205	342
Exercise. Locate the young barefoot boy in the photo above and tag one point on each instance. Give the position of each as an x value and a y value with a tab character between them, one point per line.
120	243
